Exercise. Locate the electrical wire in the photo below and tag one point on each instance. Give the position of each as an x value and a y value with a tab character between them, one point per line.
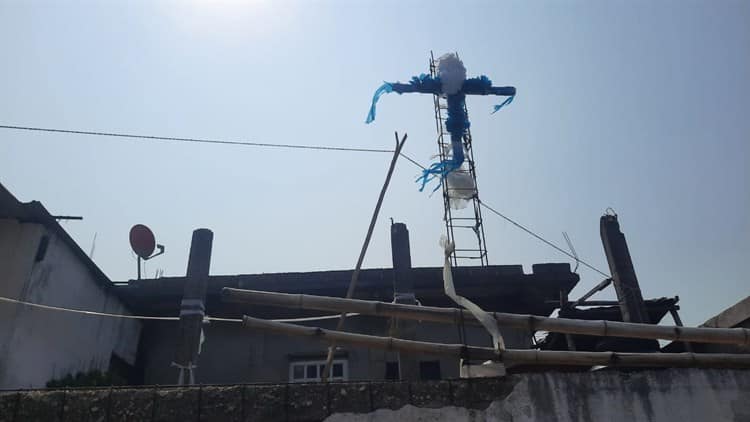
195	140
293	146
158	318
530	232
413	161
527	230
207	141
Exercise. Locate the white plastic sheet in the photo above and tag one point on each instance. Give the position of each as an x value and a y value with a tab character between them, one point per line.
461	188
487	320
452	73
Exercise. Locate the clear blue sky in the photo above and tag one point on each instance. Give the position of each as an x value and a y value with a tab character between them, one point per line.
640	106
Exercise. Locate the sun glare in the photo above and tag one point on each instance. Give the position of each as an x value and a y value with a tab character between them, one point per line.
206	17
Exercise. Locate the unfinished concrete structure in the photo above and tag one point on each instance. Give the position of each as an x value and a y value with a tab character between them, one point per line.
230	354
56	272
42	264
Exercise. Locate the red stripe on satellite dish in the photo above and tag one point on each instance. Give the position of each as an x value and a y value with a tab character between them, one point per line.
142	241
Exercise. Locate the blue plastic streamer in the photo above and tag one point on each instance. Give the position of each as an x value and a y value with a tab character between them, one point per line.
426	83
480	85
457	122
384	89
437	170
505	103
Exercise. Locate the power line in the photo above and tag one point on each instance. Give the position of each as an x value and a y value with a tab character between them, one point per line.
413	161
527	230
288	146
208	141
196	140
165	318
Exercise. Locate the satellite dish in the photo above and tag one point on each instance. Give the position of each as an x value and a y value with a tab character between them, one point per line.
142	241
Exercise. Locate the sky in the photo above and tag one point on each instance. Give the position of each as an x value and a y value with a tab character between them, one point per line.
638	106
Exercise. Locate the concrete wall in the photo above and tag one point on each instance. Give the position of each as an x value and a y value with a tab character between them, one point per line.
231	354
37	345
666	395
612	396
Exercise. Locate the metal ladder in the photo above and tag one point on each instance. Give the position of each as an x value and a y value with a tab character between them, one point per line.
461	225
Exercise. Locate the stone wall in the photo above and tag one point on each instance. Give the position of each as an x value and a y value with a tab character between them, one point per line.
612	396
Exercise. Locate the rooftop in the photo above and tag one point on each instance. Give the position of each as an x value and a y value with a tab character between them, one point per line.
501	288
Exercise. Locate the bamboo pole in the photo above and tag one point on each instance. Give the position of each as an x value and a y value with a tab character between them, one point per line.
363	251
599	287
738	336
509	357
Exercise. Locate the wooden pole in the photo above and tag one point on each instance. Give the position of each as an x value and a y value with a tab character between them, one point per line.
598	287
509	357
363	251
740	336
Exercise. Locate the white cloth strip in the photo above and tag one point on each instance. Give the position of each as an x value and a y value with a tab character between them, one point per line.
487	320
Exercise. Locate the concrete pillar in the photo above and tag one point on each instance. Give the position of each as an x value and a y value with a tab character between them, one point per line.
192	307
401	254
623	274
403	292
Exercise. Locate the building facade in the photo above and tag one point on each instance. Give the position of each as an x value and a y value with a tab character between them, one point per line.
40	263
232	354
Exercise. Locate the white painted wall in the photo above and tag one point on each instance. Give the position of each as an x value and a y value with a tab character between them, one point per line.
37	345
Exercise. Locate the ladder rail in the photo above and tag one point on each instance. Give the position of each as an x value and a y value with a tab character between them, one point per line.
449	215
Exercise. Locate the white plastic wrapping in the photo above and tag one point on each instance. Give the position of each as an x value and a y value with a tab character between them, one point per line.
452	73
461	188
487	320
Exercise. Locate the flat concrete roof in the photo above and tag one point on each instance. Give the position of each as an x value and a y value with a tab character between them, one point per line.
500	288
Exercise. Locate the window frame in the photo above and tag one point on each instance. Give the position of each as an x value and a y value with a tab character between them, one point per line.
317	363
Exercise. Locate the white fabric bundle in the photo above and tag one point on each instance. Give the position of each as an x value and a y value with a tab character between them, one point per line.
452	73
461	189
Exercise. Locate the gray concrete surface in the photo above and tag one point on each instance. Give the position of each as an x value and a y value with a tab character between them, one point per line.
666	395
610	396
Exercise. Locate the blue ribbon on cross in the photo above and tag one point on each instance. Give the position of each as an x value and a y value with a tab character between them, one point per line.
457	122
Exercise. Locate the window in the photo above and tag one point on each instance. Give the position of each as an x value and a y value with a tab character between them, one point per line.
391	371
429	370
41	250
311	370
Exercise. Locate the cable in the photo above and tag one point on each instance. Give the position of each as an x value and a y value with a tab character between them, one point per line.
290	146
143	317
413	161
529	231
572	250
559	249
196	140
79	311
